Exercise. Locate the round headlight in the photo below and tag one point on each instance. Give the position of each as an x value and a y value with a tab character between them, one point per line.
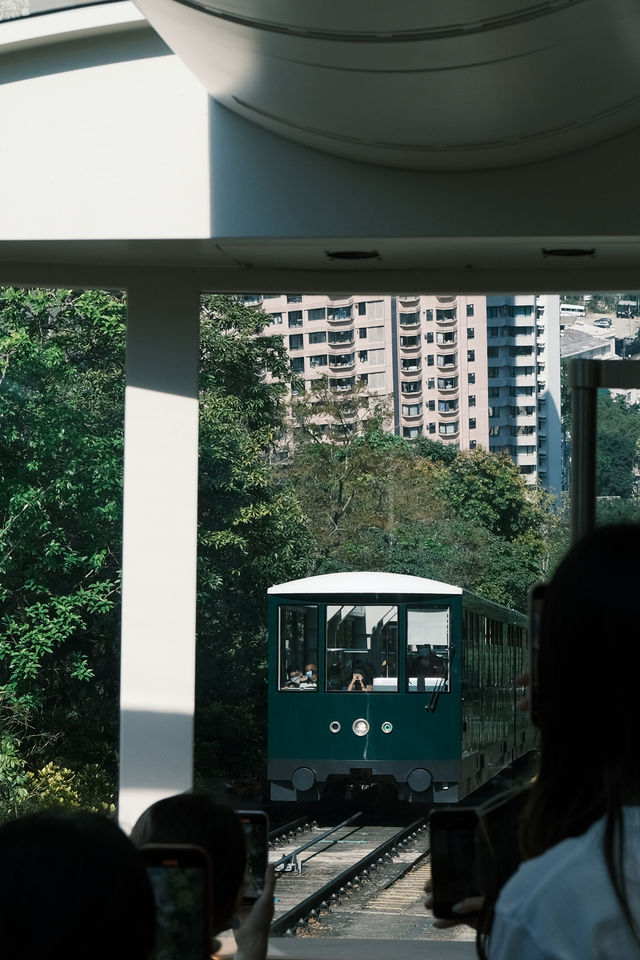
360	727
334	726
387	727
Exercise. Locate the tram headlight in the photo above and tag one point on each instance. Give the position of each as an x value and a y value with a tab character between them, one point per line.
334	726
360	727
387	727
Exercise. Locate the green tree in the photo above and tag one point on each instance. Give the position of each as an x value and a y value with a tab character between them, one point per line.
61	456
617	450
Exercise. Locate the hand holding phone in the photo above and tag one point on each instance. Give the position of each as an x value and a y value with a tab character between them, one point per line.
180	876
256	835
453	858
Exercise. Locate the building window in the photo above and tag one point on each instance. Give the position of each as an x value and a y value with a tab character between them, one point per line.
449	337
472	444
294	298
362	333
430	383
432	428
295	318
319	360
363	356
411	433
446	429
276	317
411	386
411	409
318	313
447	383
429	314
470	333
296	341
410	319
410	341
429	336
446	314
445	406
494	391
430	360
319	337
494	431
297	364
362	309
448	360
339	313
472	399
472	423
342	360
470	309
431	404
471	355
340	336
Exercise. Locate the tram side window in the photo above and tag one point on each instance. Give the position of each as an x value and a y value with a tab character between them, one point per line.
362	648
298	647
428	650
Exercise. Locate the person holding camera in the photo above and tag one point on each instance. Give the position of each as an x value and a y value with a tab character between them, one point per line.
577	893
361	678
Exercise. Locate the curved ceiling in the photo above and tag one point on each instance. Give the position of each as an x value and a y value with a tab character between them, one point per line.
444	85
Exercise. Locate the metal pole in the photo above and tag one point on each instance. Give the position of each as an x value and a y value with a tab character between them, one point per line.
584	381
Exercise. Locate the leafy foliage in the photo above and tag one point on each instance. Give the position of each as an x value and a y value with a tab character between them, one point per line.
61	456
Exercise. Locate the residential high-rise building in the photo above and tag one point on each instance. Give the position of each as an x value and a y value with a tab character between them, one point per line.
523	370
466	370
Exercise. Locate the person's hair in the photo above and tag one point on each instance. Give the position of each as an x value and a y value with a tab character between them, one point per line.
195	818
73	886
589	720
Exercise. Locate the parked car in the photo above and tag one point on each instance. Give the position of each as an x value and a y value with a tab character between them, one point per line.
602	322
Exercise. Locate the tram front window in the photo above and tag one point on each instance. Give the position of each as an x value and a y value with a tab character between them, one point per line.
427	650
362	648
298	647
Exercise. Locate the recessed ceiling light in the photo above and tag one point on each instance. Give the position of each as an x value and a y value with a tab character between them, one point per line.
352	254
568	252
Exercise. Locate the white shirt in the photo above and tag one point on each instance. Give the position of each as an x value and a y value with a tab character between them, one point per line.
562	905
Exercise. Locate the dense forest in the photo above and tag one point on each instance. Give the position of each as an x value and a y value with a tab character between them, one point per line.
279	498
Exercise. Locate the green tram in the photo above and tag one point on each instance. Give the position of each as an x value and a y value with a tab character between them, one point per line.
382	677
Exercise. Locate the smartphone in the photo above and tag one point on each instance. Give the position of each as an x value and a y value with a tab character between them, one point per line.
453	858
180	876
536	600
256	835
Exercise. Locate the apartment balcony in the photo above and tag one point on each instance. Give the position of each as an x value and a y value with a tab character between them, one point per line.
342	314
412	392
409	300
251	299
447	299
410	344
454	412
409	319
412	369
446	318
447	362
448	385
447	431
414	415
447	344
346	362
342	344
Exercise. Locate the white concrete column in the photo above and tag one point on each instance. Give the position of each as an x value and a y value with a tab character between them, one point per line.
159	540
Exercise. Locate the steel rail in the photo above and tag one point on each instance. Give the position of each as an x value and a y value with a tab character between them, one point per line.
291	857
288	920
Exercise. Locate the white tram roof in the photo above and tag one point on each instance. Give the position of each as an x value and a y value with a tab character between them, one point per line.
362	582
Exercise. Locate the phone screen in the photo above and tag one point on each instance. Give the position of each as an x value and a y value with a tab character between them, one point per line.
256	834
181	890
453	857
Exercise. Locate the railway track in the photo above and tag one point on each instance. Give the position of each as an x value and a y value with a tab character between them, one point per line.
349	861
